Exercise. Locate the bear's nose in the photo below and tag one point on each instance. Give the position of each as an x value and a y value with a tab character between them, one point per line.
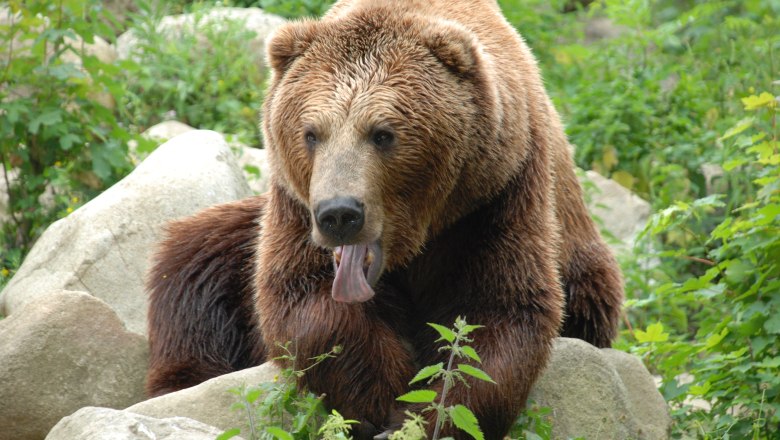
340	218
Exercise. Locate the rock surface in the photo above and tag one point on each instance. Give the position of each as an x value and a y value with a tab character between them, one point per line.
622	213
210	401
600	394
109	424
255	20
253	161
166	130
103	247
61	352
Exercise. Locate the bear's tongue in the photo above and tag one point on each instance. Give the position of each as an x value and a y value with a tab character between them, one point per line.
350	284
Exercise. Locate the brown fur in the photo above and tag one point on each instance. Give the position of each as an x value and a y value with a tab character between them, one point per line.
475	205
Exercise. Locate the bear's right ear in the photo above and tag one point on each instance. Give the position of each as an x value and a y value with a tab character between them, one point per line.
452	44
289	42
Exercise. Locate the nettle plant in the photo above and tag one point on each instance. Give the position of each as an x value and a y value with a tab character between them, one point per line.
462	417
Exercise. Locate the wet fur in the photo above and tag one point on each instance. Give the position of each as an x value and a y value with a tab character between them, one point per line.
481	216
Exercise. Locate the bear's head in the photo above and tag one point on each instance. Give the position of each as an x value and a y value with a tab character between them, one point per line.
384	126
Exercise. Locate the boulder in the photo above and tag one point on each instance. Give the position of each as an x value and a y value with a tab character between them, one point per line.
600	394
622	213
602	28
61	352
166	130
103	247
92	423
210	401
254	19
253	161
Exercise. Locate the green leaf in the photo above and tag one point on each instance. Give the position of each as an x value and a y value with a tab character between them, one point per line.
427	372
229	434
68	140
470	352
763	100
475	372
467	421
253	394
700	390
279	433
654	333
48	118
469	328
418	396
772	325
446	334
715	339
738	128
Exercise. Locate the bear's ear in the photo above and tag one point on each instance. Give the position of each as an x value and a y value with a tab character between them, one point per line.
289	42
453	45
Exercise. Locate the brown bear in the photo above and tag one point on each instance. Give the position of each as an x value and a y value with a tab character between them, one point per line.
420	173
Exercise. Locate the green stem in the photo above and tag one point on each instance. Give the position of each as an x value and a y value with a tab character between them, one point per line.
445	388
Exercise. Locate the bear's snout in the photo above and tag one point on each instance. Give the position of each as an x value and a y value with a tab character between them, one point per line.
340	219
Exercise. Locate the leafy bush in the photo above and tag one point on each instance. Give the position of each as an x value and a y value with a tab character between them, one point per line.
295	9
733	308
208	75
59	143
646	107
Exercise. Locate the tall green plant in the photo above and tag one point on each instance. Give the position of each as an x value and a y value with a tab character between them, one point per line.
59	143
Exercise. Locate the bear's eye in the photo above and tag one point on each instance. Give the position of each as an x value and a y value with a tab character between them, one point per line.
311	139
383	139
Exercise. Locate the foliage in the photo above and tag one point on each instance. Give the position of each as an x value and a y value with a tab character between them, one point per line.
647	106
280	410
733	307
209	76
59	142
295	9
535	423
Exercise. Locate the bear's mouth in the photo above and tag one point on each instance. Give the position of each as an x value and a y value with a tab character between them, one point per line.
357	269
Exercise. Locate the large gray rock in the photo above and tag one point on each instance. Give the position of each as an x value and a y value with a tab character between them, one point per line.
210	401
623	214
253	161
254	19
166	130
600	394
62	352
92	423
103	248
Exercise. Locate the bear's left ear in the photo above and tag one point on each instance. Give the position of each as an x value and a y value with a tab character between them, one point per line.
453	45
289	42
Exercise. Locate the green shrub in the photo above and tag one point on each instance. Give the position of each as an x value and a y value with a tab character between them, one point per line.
59	143
295	9
728	337
208	76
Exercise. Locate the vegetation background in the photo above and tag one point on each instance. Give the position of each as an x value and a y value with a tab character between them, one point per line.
679	105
